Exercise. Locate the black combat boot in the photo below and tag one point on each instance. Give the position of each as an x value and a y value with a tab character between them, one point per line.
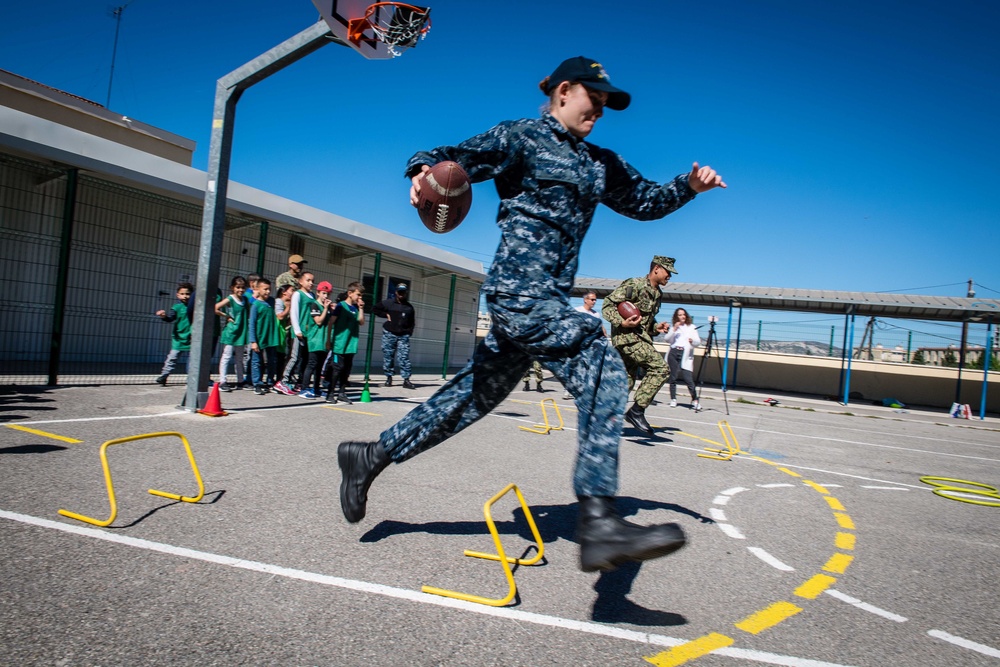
636	416
607	541
407	384
527	386
360	463
388	381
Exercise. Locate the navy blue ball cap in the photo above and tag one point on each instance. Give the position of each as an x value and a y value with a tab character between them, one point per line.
591	74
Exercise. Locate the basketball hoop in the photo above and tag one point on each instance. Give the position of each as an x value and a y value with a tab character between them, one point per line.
397	25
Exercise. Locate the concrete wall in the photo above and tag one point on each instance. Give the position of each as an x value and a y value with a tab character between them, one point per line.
930	386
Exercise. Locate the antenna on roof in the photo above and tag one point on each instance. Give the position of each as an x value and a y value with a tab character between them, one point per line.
117	13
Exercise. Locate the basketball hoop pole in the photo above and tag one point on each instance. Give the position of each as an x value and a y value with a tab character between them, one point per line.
228	90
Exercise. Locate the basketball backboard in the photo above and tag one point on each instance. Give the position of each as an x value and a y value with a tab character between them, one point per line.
339	15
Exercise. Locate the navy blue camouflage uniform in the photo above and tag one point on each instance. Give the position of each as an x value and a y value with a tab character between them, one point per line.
549	182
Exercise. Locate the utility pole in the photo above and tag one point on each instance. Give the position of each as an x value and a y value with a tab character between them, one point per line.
117	13
961	351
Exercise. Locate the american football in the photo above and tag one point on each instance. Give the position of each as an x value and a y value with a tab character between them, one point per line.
627	309
445	197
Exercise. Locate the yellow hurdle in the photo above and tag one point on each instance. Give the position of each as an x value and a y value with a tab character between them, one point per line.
501	556
111	489
732	446
546	427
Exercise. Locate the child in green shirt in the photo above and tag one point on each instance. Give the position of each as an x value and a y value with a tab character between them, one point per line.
180	333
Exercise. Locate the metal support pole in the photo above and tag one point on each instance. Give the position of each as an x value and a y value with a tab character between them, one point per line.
847	378
228	91
447	329
760	324
843	352
736	356
371	323
725	366
62	277
986	366
830	350
262	248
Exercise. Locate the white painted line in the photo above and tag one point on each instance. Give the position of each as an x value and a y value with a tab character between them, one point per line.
865	606
775	486
101	419
948	493
733	491
731	530
965	643
831	486
770	560
412	596
721	500
883	488
716	514
872	444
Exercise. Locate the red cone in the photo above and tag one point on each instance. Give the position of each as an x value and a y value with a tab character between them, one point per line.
213	408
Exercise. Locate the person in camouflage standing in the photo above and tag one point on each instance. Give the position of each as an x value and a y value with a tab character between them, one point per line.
633	338
549	181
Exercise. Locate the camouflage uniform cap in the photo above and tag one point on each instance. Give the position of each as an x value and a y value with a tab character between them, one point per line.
666	262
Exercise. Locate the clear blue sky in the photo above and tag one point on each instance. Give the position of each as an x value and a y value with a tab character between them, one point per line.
859	139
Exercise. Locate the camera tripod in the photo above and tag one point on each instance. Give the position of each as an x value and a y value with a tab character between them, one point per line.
709	348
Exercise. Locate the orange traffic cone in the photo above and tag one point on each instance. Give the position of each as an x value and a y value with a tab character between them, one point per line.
213	408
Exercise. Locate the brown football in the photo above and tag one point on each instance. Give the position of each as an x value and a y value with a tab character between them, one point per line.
627	310
445	197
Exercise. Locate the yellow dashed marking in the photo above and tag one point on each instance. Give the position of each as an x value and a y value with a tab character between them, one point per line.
834	503
838	563
844	521
789	472
845	541
357	412
44	434
821	489
767	618
678	655
814	586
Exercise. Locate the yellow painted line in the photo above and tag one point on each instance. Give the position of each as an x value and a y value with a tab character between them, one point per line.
817	487
838	563
844	521
45	434
845	541
789	472
698	437
834	503
812	587
696	648
767	618
357	412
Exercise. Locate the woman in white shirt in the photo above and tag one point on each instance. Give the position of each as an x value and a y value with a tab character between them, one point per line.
682	338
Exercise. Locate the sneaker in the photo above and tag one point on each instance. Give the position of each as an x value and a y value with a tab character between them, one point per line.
259	390
407	384
280	387
225	387
307	394
696	406
673	402
162	380
388	381
343	398
567	396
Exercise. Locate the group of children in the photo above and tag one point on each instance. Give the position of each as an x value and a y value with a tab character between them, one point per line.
293	341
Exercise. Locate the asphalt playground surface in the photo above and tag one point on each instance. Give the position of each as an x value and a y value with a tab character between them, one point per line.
818	544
